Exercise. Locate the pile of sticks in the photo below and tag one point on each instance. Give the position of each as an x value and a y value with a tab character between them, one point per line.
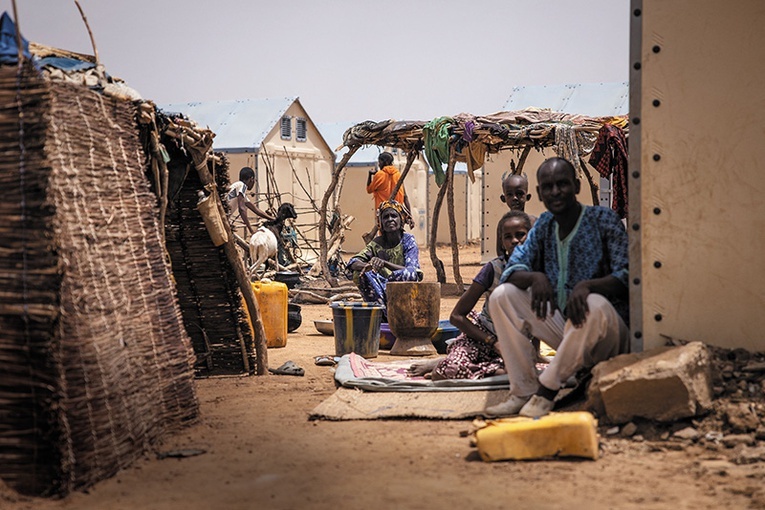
324	295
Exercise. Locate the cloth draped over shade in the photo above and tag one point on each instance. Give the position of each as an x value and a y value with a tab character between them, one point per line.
469	149
474	154
436	139
571	135
566	145
610	158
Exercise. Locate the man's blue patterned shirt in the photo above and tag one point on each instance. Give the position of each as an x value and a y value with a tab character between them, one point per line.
596	247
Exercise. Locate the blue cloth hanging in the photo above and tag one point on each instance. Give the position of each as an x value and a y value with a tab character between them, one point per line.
9	49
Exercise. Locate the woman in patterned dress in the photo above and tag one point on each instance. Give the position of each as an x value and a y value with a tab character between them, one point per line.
392	256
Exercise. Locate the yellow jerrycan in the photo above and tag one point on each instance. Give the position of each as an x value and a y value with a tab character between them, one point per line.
272	298
572	434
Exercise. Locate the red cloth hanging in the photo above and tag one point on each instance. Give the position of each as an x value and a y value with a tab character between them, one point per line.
609	157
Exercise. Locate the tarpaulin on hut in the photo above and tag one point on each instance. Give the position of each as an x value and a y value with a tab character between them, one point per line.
9	48
95	360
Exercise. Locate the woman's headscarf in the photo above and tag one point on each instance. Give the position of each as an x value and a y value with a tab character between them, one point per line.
396	206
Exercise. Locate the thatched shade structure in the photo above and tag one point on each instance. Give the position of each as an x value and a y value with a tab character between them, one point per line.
469	138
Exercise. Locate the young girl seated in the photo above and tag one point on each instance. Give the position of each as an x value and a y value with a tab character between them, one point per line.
473	354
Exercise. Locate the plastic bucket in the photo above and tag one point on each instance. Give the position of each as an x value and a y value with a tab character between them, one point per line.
387	338
446	331
357	328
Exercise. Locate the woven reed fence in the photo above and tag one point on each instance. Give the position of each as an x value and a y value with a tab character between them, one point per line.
208	292
95	364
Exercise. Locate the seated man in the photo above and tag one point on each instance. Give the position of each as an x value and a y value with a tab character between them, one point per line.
392	256
567	284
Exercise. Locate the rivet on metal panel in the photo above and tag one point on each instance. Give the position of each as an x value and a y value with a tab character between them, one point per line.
636	120
656	210
656	102
636	281
657	264
638	334
636	174
657	317
656	49
635	226
636	12
656	157
636	66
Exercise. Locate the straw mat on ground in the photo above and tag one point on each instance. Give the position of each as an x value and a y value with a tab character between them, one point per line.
354	404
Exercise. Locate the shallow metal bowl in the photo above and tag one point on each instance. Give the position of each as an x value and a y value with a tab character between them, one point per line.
325	327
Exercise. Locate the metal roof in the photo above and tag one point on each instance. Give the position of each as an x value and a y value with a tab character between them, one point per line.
237	124
591	99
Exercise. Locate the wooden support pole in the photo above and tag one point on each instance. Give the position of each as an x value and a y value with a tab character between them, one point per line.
594	188
323	248
522	160
409	160
452	222
161	177
437	264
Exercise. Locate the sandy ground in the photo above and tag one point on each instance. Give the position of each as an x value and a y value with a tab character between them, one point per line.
262	452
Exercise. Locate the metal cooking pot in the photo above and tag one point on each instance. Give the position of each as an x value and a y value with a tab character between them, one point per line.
289	278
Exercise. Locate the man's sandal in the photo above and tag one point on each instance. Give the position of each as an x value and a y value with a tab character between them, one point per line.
288	368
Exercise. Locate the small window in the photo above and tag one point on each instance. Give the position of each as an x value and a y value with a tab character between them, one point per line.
286	128
300	130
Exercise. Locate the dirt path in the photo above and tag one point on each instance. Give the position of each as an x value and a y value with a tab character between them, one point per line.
263	453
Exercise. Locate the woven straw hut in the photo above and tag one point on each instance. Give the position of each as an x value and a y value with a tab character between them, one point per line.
208	292
96	361
207	289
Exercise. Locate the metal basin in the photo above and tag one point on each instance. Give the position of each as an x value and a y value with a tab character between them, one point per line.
325	327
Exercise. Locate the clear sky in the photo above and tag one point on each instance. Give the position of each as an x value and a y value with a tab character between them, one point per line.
347	60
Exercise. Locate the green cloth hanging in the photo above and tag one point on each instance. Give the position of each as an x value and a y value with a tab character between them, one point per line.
436	140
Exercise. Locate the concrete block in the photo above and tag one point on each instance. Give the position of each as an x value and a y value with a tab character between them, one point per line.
663	384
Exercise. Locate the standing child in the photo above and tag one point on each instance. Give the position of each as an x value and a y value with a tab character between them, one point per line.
515	194
239	203
380	184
